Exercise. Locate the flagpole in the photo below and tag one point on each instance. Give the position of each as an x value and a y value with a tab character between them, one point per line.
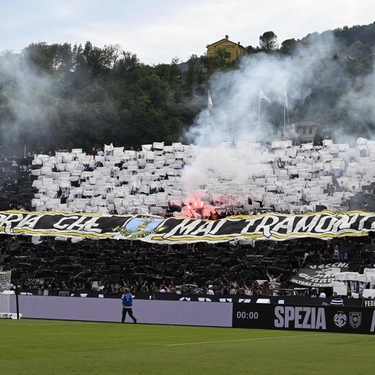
262	96
259	114
209	107
233	118
285	111
284	118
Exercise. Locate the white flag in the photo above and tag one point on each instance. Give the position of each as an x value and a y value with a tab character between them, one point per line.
263	96
209	104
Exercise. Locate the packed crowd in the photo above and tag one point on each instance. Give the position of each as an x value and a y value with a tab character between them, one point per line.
189	181
109	266
113	183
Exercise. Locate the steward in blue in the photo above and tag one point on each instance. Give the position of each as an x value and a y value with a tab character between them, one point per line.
127	306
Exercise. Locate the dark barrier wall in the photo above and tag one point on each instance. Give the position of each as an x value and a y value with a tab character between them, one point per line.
315	318
109	310
348	319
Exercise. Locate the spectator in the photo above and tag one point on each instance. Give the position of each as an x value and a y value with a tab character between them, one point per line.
210	290
274	282
322	294
336	253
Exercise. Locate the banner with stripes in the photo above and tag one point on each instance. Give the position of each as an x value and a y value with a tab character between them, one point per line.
270	226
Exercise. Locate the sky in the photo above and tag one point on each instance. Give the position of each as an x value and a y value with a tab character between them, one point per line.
158	31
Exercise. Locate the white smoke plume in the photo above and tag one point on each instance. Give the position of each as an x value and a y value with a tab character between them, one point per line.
28	100
239	116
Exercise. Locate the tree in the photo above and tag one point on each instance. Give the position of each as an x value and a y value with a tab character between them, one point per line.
359	50
288	46
127	67
44	57
268	41
94	62
250	50
193	76
222	57
220	61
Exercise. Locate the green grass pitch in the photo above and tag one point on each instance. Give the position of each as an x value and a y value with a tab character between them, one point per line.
65	347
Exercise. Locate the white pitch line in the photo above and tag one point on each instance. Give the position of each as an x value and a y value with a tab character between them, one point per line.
57	324
238	340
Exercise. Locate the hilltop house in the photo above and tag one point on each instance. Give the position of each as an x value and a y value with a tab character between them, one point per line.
235	49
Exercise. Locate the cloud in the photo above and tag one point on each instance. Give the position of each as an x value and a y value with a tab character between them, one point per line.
158	31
